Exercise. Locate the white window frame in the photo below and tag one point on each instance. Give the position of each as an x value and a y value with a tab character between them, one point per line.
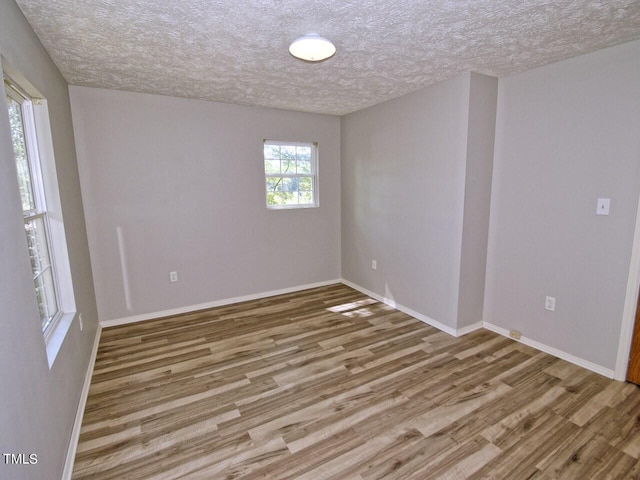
313	174
39	146
39	211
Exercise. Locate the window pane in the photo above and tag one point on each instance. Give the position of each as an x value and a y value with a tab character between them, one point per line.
304	153
46	295
304	166
288	166
306	198
37	243
272	166
288	152
272	151
289	184
20	153
274	184
282	198
41	268
305	183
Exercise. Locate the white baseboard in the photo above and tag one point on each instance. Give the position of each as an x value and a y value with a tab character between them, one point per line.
423	318
217	303
553	351
489	326
77	424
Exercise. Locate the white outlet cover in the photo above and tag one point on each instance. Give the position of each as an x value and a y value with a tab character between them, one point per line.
603	206
550	303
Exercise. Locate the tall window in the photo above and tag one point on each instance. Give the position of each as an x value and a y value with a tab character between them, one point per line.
291	174
34	208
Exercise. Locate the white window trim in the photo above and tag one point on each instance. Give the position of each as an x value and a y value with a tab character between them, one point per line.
314	174
60	251
42	162
36	167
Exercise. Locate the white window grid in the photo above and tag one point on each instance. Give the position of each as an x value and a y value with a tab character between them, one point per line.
313	174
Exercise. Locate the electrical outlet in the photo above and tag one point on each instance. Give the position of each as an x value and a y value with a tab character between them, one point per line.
603	206
80	321
173	277
515	334
550	303
374	265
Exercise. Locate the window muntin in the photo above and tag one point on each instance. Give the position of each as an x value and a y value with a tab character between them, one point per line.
291	178
34	210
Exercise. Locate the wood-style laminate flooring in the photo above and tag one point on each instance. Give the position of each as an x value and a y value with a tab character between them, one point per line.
328	383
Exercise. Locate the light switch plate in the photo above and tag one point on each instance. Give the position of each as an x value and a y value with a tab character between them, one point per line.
603	206
550	303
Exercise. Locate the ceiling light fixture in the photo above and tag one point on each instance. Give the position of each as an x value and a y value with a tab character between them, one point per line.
312	48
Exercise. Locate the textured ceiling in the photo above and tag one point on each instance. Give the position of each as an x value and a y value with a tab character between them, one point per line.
236	50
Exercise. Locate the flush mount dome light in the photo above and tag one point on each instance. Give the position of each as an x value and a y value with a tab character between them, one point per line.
312	48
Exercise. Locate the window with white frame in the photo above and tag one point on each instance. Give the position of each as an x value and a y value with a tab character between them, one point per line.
34	205
291	174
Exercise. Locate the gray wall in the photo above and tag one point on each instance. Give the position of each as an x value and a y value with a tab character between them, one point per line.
403	165
38	405
183	180
567	133
404	191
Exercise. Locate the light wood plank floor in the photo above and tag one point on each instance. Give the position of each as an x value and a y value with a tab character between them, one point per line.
329	383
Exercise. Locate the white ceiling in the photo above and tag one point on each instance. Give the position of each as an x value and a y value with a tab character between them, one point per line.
236	51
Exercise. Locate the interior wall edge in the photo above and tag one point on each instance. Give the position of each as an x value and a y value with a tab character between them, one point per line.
630	306
419	316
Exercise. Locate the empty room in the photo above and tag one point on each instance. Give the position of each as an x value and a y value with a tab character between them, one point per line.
330	239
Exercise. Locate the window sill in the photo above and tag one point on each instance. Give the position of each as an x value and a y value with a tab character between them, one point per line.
54	342
292	207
